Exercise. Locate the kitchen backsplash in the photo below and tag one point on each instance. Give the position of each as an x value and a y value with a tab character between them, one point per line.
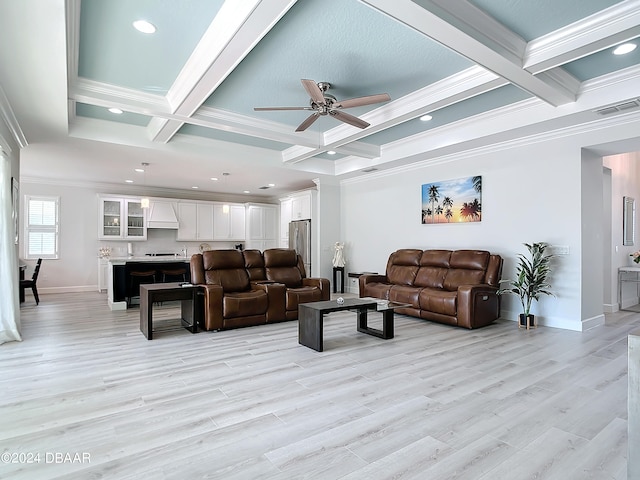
161	241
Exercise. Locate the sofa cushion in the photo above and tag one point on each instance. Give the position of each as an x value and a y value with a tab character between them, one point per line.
468	267
281	265
403	265
226	268
405	294
244	304
254	263
438	301
295	296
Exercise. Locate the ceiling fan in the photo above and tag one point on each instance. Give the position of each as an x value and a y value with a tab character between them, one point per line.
323	103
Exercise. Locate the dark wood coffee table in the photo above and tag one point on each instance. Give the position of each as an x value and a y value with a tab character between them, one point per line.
310	318
190	312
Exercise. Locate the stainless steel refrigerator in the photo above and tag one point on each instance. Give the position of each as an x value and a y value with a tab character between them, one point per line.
300	240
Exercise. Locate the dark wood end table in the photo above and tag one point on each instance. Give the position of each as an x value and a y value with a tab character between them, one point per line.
190	310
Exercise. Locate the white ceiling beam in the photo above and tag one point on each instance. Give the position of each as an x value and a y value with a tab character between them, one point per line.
478	37
609	27
236	29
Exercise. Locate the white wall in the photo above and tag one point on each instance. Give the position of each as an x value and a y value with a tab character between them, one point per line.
532	191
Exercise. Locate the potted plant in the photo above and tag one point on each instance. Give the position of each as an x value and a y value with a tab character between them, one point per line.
531	282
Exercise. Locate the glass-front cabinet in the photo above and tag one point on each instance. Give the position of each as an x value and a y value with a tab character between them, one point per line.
135	220
111	217
122	219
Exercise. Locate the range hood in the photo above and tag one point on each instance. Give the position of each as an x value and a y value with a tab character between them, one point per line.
162	214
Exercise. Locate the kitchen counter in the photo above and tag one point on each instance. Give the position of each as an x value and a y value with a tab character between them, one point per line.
119	283
146	258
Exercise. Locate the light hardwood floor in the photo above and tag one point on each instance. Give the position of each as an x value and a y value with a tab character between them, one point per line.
435	402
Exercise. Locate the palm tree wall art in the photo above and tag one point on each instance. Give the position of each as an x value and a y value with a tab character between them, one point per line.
452	201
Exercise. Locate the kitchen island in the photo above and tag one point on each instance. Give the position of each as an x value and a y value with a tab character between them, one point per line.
119	279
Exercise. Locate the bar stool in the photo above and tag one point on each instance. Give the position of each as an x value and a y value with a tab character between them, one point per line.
137	278
176	274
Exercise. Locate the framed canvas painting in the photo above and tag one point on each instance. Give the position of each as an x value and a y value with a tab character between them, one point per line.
452	201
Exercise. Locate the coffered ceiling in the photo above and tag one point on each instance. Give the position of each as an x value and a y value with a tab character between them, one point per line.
484	70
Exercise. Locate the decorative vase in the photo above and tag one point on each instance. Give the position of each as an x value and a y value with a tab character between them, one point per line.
527	321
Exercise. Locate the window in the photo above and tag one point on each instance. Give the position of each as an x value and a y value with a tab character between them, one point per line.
41	229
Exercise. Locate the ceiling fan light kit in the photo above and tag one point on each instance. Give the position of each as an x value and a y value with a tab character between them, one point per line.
323	103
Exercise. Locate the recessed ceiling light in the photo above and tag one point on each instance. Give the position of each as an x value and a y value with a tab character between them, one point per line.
144	26
139	170
195	187
426	118
115	110
215	179
331	152
247	191
624	48
129	181
272	184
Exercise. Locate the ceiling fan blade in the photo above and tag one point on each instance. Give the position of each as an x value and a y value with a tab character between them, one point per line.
350	119
307	123
314	91
262	109
360	101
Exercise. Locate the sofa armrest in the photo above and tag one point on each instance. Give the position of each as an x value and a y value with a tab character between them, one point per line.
363	280
478	305
277	298
213	319
321	283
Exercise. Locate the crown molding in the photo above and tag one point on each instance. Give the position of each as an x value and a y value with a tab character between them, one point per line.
597	32
107	95
10	120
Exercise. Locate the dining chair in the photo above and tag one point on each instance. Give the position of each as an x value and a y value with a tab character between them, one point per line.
31	283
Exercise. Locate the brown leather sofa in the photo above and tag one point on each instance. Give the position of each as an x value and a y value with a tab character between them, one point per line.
251	288
456	287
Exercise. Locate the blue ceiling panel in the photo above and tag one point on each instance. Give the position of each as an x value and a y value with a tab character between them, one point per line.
602	63
332	41
112	51
533	18
101	113
214	134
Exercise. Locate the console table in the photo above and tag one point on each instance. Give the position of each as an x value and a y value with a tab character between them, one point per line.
190	308
622	279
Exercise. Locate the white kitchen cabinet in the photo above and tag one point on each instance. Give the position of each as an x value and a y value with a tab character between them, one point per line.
121	218
110	218
229	222
195	221
135	216
301	206
205	221
103	273
187	221
285	218
262	226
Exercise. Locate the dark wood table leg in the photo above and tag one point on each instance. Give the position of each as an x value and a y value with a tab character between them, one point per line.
310	328
146	314
188	317
387	325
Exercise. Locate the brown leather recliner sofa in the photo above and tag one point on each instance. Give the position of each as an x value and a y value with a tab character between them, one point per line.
240	291
456	287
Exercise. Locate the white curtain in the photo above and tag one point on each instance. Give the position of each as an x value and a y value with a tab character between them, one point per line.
9	304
